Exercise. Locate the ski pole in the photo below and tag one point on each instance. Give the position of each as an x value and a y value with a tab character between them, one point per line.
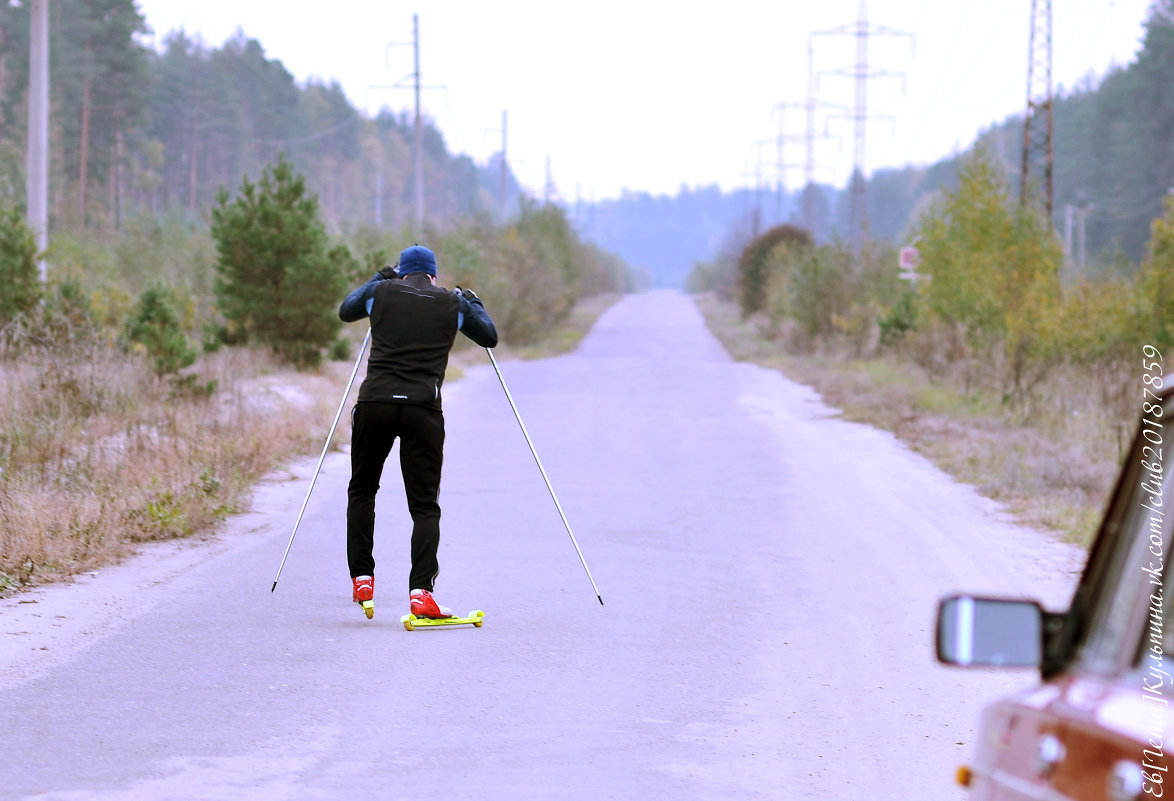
322	458
542	470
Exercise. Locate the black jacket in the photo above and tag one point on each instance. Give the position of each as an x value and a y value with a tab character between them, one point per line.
413	325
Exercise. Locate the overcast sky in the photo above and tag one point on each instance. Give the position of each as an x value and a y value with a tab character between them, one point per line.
650	96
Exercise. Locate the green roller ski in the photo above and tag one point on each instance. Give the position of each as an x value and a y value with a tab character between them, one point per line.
412	622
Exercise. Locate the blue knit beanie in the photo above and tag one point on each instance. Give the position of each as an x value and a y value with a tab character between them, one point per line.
417	259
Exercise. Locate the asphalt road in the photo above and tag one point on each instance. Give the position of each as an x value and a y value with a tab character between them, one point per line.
770	574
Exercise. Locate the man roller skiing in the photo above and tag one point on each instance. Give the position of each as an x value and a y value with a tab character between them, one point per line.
413	325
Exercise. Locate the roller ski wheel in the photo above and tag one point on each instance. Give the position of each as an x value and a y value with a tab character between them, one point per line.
412	622
368	608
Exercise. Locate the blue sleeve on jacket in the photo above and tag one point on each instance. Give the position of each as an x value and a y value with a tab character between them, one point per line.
358	304
474	322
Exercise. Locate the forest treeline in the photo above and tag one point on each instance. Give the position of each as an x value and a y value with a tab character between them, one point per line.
134	130
142	141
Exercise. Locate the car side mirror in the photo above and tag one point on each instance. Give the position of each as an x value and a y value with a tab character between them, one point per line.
989	632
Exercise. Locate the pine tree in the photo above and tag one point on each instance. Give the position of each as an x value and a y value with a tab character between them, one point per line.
154	325
101	74
278	281
18	265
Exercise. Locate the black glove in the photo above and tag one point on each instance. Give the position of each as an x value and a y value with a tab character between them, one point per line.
389	271
468	293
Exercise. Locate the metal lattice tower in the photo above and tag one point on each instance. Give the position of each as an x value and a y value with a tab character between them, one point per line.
781	164
1038	150
861	30
810	105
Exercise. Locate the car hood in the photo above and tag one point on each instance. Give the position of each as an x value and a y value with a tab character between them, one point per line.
1101	733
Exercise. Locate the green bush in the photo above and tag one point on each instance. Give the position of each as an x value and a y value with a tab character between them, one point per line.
340	349
994	264
278	281
900	318
18	265
754	265
994	283
817	289
65	320
154	326
832	291
554	246
1155	283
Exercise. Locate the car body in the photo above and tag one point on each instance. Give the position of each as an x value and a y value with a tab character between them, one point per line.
1100	723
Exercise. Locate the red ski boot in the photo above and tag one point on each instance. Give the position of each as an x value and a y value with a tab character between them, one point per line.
364	594
424	605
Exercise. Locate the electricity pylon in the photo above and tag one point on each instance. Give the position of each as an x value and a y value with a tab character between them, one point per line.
861	30
1038	150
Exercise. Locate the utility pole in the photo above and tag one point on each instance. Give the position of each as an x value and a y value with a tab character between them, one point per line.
1037	121
548	189
861	30
419	139
781	165
761	185
379	191
1069	210
378	213
418	149
1074	217
755	201
758	183
811	104
809	155
504	169
37	182
1082	259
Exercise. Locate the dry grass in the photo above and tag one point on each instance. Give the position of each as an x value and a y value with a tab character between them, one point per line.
1052	463
97	454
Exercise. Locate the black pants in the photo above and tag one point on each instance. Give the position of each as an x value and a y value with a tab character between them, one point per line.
421	434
